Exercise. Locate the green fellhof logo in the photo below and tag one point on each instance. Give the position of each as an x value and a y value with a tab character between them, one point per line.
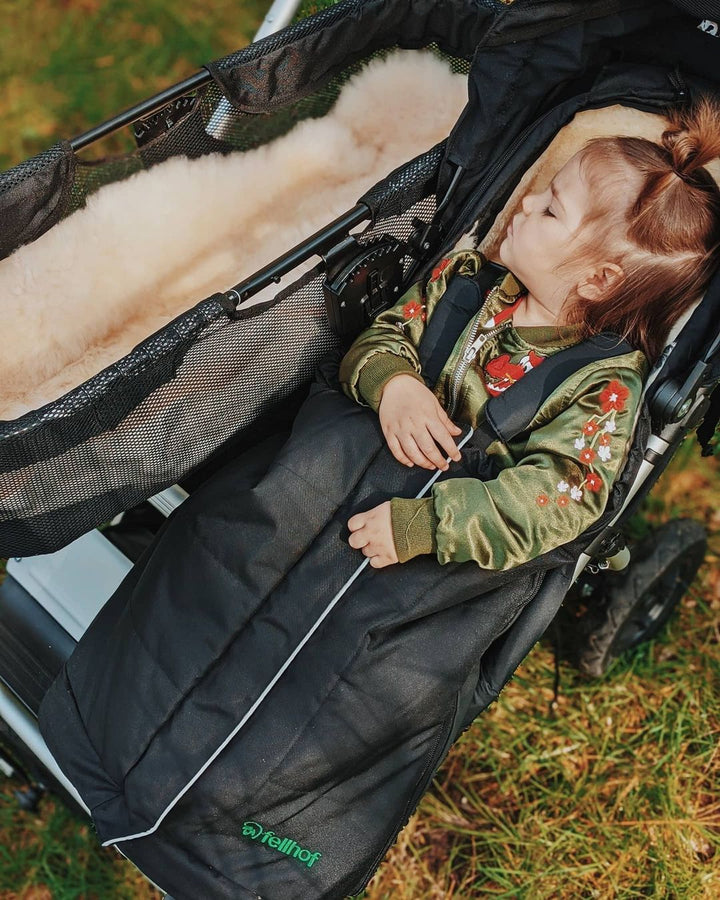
256	832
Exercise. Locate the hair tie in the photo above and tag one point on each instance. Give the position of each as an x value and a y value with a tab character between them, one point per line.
684	176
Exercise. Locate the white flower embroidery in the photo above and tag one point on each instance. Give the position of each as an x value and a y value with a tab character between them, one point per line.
580	443
576	493
603	453
563	486
610	425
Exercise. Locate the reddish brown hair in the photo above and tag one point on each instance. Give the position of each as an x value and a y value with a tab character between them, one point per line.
663	229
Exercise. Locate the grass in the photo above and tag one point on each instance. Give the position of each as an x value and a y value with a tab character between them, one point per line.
615	793
612	794
67	65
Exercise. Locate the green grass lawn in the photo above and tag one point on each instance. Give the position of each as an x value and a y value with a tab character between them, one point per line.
613	794
67	65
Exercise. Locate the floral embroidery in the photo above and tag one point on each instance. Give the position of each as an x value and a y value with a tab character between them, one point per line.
614	396
594	443
439	268
414	310
543	500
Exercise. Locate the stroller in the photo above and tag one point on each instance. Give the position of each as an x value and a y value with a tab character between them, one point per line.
89	479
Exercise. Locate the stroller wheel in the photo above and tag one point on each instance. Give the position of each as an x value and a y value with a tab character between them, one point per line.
639	601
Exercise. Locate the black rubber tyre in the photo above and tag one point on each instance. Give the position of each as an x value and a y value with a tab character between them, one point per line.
638	601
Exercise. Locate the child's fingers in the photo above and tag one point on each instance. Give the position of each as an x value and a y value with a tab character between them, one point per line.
445	418
427	445
411	448
355	522
439	432
397	451
358	540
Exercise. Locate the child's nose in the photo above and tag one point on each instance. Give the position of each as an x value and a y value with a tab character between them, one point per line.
527	203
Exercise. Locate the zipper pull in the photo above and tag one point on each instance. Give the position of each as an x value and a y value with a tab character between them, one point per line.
472	351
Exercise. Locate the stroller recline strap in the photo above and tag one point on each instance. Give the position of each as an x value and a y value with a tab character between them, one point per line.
510	413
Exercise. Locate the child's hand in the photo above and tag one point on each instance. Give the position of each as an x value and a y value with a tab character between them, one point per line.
372	533
412	420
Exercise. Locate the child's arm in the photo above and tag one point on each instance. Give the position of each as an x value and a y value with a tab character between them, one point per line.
383	362
552	489
389	346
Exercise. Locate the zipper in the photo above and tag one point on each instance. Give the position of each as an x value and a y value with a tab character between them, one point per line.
472	345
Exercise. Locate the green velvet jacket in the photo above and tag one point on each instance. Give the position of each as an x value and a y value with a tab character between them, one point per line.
553	485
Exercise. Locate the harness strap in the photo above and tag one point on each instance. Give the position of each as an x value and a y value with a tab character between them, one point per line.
510	413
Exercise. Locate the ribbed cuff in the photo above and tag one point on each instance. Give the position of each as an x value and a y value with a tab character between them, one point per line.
376	373
413	527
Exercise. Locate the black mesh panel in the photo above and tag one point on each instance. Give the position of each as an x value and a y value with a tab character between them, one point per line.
204	383
142	424
709	9
228	373
34	196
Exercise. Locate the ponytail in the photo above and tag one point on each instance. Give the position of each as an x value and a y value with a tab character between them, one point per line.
671	225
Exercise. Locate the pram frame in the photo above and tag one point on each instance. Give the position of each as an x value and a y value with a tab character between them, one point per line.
688	411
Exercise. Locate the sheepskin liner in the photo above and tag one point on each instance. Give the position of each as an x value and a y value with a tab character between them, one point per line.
145	250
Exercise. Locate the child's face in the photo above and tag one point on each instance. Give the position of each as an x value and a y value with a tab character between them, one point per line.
540	237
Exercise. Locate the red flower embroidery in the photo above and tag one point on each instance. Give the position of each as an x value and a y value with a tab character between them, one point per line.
438	270
593	482
614	396
413	310
605	439
542	499
587	455
590	428
563	500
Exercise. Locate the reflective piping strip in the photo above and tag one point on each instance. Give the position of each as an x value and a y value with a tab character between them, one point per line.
275	679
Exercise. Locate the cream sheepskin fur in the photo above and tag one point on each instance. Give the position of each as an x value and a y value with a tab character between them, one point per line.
144	250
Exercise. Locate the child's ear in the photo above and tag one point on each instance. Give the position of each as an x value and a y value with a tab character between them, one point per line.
598	281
